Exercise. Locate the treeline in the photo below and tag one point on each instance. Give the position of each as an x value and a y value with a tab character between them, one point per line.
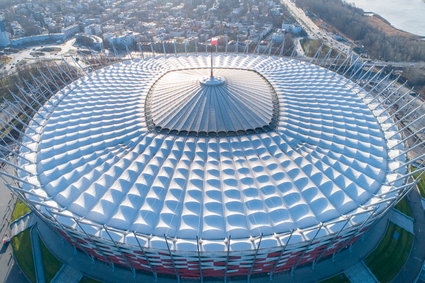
415	78
25	74
9	83
353	23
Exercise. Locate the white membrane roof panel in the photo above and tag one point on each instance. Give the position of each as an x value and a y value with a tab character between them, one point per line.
97	159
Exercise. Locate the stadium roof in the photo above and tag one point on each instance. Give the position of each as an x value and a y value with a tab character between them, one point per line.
97	157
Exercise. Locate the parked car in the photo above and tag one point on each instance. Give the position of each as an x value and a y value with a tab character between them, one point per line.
6	240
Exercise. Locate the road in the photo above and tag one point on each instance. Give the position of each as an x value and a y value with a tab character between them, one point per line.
298	47
377	63
25	54
313	30
316	32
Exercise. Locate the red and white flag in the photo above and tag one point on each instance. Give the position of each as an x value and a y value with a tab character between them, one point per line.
214	41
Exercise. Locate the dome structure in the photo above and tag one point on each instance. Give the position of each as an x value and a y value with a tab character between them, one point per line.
190	101
152	160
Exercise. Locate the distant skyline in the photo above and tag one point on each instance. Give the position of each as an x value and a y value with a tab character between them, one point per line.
407	15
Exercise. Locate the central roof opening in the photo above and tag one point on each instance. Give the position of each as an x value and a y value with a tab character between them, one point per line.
190	102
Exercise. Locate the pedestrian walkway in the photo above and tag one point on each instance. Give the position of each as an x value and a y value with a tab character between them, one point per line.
67	274
38	258
402	220
422	275
21	224
360	273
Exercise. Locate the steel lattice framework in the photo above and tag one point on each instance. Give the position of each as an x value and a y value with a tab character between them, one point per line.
147	164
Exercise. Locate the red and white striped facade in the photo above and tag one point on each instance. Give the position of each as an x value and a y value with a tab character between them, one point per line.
225	264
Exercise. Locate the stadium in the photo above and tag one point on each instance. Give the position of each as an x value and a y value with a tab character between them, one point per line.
158	164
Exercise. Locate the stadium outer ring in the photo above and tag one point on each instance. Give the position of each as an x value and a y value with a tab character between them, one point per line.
215	264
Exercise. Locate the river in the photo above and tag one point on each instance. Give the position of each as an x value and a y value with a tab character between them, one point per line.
407	15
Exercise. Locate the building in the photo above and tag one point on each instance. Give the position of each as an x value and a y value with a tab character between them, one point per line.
17	29
278	37
38	39
295	29
263	166
126	38
93	29
4	35
70	31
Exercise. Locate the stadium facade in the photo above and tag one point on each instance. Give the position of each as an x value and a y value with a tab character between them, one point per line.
267	165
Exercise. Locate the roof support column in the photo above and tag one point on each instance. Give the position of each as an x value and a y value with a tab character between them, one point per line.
281	254
146	257
172	259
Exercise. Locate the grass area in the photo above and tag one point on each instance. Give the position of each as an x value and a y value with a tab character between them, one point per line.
340	278
391	254
22	250
23	253
311	46
20	210
50	49
403	207
22	62
421	184
88	280
51	264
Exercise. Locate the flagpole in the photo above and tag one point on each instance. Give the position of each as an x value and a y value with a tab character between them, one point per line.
212	74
